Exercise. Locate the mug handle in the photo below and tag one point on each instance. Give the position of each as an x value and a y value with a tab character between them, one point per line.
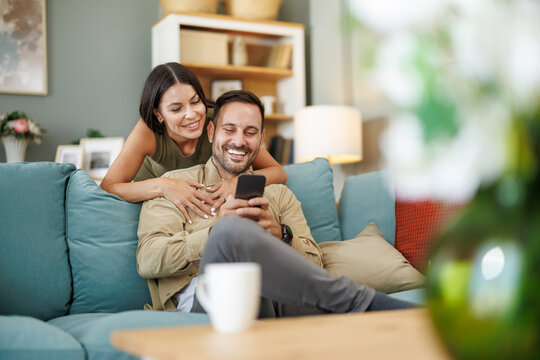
202	294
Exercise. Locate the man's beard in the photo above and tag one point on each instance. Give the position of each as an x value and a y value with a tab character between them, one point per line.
221	157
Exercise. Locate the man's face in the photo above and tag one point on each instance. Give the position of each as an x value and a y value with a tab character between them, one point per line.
236	138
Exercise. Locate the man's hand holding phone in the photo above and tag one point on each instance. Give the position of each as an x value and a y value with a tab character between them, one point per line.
250	203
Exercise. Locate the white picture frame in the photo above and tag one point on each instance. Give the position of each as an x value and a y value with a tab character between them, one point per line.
221	86
69	154
98	154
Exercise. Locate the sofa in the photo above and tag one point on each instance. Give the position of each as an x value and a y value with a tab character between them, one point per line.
68	274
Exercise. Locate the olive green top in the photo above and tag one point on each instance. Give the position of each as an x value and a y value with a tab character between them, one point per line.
169	157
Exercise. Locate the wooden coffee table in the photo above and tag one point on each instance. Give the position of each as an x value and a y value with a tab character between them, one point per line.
403	334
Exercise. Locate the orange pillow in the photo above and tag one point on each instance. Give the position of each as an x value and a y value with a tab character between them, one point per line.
417	224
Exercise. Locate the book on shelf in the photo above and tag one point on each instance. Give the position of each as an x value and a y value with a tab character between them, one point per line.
280	56
281	149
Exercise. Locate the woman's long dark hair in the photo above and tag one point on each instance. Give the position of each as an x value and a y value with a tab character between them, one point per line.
160	80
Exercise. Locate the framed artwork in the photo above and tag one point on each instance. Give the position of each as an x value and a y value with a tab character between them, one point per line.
69	154
98	154
23	40
221	86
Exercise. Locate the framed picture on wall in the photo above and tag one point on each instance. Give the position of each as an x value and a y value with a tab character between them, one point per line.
221	86
98	154
69	154
23	44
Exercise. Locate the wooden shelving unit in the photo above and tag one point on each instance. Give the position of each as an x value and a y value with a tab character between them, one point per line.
231	71
279	117
286	84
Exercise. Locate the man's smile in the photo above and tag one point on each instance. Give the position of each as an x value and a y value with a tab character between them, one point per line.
237	154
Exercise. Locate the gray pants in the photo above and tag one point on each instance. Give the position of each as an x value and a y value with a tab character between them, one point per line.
291	284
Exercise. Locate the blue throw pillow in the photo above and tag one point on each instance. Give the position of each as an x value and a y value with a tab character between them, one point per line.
367	198
35	278
102	240
313	185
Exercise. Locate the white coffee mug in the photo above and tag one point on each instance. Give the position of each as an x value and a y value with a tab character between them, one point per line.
230	294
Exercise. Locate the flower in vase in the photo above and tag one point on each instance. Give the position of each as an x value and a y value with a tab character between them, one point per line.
21	126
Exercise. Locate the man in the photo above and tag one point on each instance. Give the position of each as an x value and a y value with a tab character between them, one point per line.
269	230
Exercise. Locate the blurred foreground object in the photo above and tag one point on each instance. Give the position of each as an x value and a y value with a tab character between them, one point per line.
463	83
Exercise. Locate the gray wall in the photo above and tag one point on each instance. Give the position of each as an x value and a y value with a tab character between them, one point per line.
98	55
298	11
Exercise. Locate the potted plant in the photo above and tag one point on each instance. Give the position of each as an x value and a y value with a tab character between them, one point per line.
464	84
16	130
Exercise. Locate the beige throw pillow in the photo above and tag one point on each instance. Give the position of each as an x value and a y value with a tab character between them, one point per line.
370	260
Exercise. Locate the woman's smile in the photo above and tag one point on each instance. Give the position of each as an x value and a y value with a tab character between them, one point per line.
195	125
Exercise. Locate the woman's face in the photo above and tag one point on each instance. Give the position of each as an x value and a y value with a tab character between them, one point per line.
182	111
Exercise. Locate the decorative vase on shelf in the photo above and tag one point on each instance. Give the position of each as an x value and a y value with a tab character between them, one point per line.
239	53
202	6
15	148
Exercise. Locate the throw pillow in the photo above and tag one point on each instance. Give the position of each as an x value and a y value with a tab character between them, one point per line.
417	224
369	259
312	183
102	240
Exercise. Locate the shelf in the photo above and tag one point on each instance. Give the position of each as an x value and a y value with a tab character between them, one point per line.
287	85
231	71
278	117
223	17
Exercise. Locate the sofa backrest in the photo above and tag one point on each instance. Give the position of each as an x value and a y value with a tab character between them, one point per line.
366	198
58	228
35	278
313	185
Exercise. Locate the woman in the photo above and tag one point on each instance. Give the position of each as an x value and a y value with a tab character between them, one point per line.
171	134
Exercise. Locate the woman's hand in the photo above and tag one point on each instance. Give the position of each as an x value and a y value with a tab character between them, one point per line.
222	190
184	193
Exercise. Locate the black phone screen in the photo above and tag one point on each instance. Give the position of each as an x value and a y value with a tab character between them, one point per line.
250	186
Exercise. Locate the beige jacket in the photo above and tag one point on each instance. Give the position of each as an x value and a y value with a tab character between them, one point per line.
170	249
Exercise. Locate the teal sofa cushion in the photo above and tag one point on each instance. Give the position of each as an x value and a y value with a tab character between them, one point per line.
367	198
24	337
93	331
102	239
416	296
313	184
35	278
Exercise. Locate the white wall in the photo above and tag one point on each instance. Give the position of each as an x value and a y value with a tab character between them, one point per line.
334	76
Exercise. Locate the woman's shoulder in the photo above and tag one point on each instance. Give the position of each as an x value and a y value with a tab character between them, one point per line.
143	138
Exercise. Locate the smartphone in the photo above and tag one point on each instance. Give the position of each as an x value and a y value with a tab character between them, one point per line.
250	186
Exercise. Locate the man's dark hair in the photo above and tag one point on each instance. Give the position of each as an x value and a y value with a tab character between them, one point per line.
242	96
160	80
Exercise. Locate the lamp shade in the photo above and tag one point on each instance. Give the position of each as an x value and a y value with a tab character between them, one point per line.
329	131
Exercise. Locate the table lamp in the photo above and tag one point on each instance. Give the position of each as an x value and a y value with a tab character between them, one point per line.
333	132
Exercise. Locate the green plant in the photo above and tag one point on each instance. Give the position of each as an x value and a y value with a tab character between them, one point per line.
90	133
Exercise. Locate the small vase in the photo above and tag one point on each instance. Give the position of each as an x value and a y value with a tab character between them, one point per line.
239	54
15	148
